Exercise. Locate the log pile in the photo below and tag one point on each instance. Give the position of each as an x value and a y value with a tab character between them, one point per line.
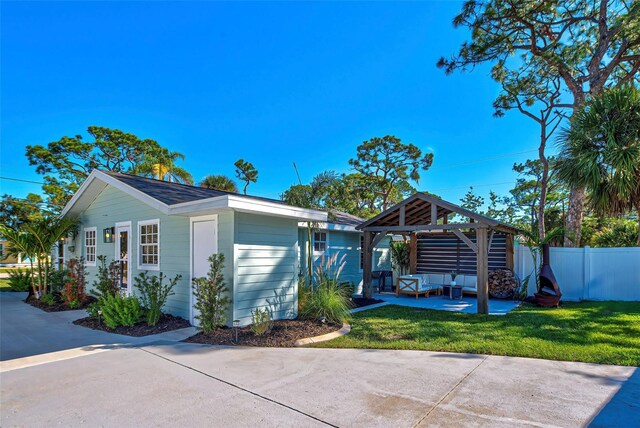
502	283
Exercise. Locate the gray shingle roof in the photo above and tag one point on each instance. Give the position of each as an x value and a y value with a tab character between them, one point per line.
176	193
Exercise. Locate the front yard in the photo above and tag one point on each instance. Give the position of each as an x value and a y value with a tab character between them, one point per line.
595	332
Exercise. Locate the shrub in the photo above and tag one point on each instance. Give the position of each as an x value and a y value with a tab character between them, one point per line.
19	280
108	280
48	299
154	294
400	255
305	290
329	300
93	309
74	289
260	321
119	310
57	279
211	293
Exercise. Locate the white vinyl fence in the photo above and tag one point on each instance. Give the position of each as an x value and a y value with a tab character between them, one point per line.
588	273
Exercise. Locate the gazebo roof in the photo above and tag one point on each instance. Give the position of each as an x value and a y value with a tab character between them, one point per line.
420	212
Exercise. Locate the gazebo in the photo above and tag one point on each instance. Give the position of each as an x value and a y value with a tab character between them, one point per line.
423	216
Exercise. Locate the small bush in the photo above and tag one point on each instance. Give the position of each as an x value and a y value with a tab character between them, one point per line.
305	290
93	309
118	310
58	279
74	288
48	299
108	280
154	294
330	301
260	322
211	293
19	280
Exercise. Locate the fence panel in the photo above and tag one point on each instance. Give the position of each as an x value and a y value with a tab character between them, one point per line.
589	273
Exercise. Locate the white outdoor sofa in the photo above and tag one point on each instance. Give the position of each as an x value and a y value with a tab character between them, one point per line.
425	283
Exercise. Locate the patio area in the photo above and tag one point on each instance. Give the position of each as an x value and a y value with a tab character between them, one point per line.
468	304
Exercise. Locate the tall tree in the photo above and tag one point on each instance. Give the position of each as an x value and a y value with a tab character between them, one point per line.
535	92
14	211
601	151
162	164
590	44
219	182
245	171
67	162
390	164
472	202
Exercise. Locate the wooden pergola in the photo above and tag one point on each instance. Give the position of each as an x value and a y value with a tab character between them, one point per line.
422	214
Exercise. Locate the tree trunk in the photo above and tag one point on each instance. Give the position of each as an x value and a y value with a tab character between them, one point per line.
542	201
573	222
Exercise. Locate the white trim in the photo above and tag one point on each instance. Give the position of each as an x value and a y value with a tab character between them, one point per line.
326	242
191	221
139	252
93	229
197	207
331	226
129	251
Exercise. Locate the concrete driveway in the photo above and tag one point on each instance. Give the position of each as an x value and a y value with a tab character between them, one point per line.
167	383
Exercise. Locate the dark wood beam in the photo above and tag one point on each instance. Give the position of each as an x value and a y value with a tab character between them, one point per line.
367	289
426	227
413	254
466	240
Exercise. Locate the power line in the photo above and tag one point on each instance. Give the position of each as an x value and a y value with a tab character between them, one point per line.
21	180
473	185
480	160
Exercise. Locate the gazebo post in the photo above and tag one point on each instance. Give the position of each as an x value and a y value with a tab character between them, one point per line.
482	268
366	268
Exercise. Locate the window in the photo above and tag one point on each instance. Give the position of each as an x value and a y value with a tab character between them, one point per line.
361	252
90	238
149	244
319	242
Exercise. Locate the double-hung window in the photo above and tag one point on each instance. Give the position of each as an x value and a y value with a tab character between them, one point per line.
149	244
319	242
90	239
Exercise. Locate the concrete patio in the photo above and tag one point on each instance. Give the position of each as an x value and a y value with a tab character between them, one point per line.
468	304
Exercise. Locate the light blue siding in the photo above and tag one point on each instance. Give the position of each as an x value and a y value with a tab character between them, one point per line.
266	266
113	206
347	245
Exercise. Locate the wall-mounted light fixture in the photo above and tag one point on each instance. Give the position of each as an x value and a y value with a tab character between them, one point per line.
107	235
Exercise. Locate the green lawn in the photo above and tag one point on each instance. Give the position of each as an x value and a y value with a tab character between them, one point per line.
4	285
596	332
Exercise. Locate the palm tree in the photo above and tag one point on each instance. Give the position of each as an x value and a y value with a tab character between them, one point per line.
22	245
601	151
219	182
35	240
161	164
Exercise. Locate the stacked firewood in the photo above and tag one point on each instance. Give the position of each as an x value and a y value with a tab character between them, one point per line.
502	283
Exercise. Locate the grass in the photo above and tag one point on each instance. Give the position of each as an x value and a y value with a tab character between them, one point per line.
4	285
594	332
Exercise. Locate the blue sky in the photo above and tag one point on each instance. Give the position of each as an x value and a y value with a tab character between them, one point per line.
269	82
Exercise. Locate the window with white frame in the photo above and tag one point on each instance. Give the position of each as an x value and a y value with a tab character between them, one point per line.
149	244
319	242
90	239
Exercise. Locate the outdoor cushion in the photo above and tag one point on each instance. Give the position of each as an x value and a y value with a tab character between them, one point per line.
436	278
470	281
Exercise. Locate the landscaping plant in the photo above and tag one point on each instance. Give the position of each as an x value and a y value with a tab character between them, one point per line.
211	293
329	300
120	310
19	280
154	294
48	299
108	280
400	255
74	289
260	321
57	279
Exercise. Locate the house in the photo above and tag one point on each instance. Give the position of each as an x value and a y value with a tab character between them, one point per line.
8	260
157	226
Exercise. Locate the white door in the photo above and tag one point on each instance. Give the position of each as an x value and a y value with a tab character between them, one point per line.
123	255
204	243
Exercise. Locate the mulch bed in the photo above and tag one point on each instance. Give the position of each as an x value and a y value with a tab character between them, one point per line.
283	334
167	323
360	302
59	306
